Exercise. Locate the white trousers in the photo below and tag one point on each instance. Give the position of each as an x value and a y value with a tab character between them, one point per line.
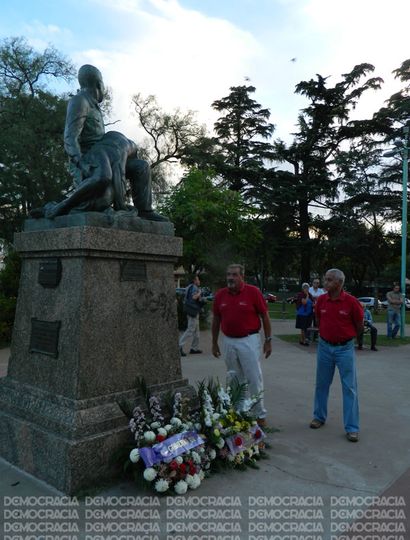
242	359
192	331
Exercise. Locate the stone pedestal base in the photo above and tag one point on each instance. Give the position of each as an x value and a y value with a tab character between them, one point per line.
96	311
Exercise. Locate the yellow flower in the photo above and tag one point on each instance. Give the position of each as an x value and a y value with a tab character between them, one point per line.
217	433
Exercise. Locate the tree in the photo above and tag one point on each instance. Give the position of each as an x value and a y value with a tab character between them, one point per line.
242	132
33	162
25	71
169	136
322	126
215	223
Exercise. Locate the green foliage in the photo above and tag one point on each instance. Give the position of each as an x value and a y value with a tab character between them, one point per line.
33	162
9	283
7	312
214	222
10	274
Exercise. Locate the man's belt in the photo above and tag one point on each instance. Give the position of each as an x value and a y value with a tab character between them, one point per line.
246	335
336	343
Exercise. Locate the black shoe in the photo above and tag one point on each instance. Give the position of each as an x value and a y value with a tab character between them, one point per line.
195	351
316	424
181	352
360	348
353	436
151	215
374	349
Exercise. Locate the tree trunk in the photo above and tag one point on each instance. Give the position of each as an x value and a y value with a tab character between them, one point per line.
305	241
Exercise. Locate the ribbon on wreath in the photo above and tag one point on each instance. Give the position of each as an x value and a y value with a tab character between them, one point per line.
171	448
244	440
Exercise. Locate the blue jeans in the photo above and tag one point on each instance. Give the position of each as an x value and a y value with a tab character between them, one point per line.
342	356
393	323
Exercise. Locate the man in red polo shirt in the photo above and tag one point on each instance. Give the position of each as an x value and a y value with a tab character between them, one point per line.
340	320
238	310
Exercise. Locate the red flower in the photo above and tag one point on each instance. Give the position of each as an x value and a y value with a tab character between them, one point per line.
192	469
160	438
238	441
173	465
257	434
182	468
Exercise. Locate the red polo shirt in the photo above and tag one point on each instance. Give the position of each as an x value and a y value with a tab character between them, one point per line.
239	312
338	318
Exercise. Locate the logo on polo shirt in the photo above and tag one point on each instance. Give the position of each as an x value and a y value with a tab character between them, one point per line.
343	312
243	303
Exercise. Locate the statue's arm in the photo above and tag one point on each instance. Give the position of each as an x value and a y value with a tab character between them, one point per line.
77	111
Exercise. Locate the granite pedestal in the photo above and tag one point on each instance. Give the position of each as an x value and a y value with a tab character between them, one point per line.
96	310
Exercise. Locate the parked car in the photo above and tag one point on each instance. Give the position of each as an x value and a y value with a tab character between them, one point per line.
269	297
368	301
384	304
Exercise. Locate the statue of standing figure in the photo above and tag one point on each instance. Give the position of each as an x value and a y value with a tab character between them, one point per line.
100	162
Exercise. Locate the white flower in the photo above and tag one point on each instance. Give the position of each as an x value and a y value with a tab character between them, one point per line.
250	452
230	457
193	481
155	425
215	416
198	426
168	427
256	449
200	449
179	460
162	431
201	474
161	485
150	474
175	421
196	457
212	454
134	455
208	421
149	436
220	443
181	487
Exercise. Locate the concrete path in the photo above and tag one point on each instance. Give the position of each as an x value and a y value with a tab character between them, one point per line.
325	480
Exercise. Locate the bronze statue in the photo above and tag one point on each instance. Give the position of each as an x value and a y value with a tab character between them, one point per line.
100	162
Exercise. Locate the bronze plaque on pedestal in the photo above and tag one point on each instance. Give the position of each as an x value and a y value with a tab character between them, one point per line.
44	337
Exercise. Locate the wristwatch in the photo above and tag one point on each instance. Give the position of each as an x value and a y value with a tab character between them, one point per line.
267	339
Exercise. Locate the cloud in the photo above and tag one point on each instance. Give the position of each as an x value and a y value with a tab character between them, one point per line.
182	56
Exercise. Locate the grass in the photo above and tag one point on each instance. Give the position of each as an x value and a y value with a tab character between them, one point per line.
288	311
381	340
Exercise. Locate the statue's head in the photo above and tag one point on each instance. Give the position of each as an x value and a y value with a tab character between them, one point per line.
90	78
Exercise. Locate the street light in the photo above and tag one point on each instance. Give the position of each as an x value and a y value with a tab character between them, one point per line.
402	148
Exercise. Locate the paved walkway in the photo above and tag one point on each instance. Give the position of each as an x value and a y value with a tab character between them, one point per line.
308	470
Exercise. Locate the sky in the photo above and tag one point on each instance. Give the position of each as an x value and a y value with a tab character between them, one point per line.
190	52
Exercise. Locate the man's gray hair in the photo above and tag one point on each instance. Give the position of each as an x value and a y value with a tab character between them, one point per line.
305	285
240	266
339	275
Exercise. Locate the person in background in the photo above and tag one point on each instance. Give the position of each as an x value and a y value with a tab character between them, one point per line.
304	312
340	320
192	307
394	302
368	323
315	291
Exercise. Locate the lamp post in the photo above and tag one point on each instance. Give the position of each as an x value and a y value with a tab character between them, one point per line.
402	147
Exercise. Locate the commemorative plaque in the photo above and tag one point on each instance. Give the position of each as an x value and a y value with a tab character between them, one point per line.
133	271
49	273
44	337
